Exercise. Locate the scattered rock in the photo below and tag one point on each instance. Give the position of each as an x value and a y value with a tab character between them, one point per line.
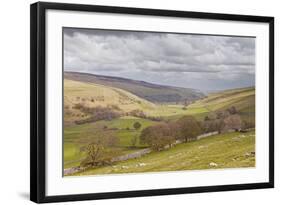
142	164
235	158
251	154
236	139
213	164
124	167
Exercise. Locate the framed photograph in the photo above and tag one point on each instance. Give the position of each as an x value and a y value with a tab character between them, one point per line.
129	102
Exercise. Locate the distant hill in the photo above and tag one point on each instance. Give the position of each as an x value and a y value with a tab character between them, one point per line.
149	91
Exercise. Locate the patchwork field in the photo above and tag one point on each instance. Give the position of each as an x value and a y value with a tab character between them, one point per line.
75	137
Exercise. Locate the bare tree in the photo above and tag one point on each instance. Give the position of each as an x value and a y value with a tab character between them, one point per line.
97	150
222	114
247	124
189	128
232	110
233	122
94	152
157	136
219	125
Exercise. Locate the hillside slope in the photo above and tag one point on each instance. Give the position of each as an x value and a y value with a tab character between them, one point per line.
227	150
92	95
95	95
151	92
243	99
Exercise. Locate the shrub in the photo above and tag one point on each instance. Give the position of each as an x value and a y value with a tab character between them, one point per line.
78	106
137	113
137	125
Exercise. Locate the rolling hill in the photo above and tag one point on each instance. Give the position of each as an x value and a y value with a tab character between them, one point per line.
92	95
242	98
151	92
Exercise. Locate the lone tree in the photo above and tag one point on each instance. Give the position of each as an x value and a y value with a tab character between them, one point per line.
97	150
94	152
137	125
189	128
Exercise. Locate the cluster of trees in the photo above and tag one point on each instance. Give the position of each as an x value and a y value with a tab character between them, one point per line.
97	113
164	134
92	99
141	114
187	128
157	137
220	121
136	113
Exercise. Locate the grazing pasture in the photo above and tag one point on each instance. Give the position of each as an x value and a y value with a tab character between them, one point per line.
78	136
119	110
227	150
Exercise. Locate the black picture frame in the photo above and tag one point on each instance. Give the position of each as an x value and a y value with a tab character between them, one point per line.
38	100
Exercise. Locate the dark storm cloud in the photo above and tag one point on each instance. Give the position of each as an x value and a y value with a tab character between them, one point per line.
217	62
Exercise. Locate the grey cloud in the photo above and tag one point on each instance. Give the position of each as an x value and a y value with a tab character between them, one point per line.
182	58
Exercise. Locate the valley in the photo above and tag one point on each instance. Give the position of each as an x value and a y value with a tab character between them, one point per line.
100	107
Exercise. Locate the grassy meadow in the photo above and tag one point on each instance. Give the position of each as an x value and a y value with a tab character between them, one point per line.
226	150
220	151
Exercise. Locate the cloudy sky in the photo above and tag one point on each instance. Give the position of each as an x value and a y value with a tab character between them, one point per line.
195	61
